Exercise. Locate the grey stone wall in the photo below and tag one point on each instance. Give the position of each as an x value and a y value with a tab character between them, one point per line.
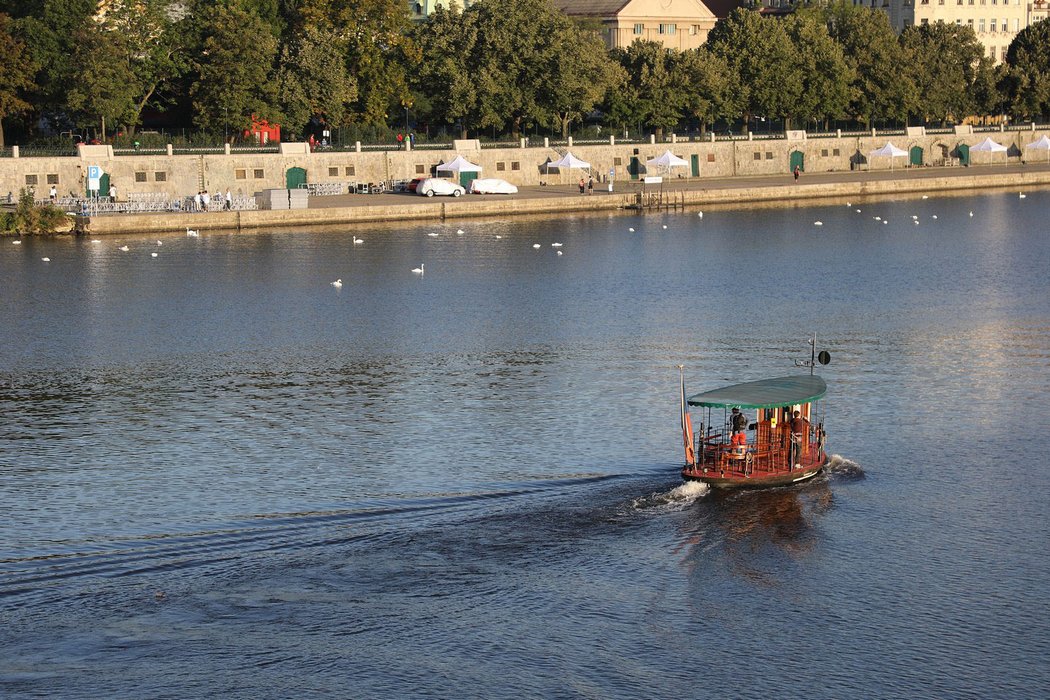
246	173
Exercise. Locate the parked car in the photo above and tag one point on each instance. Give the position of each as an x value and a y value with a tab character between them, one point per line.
435	185
492	185
413	183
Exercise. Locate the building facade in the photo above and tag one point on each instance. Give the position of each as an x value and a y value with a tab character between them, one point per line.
996	22
677	24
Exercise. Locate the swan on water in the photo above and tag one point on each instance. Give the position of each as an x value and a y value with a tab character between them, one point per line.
46	259
338	284
419	270
124	248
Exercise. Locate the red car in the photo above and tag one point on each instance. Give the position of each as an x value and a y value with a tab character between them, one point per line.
411	186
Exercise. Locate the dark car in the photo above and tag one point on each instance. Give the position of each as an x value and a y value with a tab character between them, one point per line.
411	186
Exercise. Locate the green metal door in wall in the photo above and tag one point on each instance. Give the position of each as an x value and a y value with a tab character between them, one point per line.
915	157
694	162
964	154
797	159
633	167
294	177
466	178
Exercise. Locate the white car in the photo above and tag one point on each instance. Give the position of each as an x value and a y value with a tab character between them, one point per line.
435	185
492	185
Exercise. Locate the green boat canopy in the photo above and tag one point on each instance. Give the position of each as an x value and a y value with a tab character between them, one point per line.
765	393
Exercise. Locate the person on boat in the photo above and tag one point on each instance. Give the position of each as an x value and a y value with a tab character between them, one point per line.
799	430
738	442
738	421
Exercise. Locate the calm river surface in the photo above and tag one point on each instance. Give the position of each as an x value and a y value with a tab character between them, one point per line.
221	476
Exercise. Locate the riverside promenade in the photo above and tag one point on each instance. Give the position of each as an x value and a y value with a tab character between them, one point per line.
564	197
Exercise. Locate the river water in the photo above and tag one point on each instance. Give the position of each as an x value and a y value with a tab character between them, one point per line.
221	476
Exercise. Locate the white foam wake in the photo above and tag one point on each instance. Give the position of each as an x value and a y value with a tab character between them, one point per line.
677	498
841	467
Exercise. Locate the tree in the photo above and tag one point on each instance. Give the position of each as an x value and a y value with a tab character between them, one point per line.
102	88
706	89
380	51
313	80
881	90
447	39
233	72
943	60
578	74
827	78
16	73
758	54
655	79
1027	80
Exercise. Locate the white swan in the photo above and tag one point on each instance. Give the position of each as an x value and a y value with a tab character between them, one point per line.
556	245
536	246
16	242
124	248
1022	195
338	284
700	214
46	259
498	237
433	235
560	253
358	241
818	223
190	232
631	230
419	270
665	227
153	255
160	242
459	232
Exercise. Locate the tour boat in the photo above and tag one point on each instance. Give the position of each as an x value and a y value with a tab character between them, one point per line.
774	449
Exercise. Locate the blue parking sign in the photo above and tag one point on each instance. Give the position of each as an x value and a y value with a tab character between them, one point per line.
94	172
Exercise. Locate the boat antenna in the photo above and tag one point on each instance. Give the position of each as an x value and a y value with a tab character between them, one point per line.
823	357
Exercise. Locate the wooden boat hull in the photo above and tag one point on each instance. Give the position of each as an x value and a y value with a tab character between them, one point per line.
720	480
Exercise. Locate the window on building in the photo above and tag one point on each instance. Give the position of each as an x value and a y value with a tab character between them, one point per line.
668	28
924	21
695	29
31	180
259	175
992	27
823	153
969	23
501	166
333	172
835	152
639	28
240	174
991	52
769	155
980	25
160	176
1016	21
52	179
515	165
758	155
140	177
348	171
617	161
421	169
710	157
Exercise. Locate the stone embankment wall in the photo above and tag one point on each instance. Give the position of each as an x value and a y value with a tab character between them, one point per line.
249	173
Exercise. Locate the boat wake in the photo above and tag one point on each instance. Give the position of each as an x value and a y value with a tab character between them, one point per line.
841	468
679	497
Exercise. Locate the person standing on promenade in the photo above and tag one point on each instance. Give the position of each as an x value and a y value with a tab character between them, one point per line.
197	201
796	173
590	185
229	200
400	140
205	199
112	192
53	194
583	185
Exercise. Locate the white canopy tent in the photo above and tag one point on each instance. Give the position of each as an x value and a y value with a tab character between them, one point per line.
457	165
568	162
667	161
989	146
1043	144
888	151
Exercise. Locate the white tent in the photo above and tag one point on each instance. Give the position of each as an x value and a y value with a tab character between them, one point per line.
459	164
569	161
667	161
1043	144
989	146
889	151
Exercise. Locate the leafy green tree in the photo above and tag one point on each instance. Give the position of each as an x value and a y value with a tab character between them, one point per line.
881	90
380	51
16	73
102	88
578	76
447	40
1027	80
759	57
707	93
655	79
944	61
312	78
232	83
827	79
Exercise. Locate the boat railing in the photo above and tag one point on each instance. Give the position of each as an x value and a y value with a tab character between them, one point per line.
766	452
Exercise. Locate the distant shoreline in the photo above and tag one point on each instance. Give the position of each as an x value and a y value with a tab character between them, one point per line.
564	199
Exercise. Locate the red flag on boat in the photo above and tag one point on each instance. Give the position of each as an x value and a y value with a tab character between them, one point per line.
687	426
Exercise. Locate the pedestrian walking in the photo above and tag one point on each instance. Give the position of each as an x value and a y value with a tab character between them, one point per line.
205	199
583	185
53	194
229	200
112	192
198	202
590	185
796	173
400	140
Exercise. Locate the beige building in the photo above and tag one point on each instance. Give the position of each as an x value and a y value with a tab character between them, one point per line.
996	22
677	24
